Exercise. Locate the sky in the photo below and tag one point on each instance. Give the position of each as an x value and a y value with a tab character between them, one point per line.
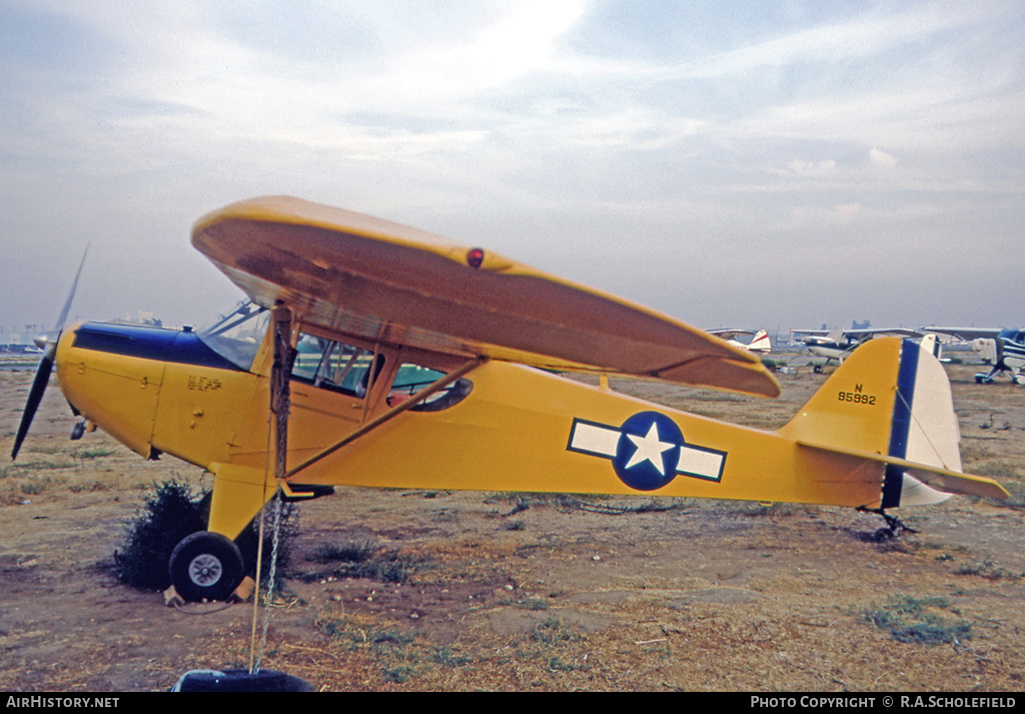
746	164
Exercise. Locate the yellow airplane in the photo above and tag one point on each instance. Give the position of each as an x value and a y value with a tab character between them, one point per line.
374	354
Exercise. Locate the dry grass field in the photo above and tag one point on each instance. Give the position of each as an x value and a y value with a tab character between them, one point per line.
484	591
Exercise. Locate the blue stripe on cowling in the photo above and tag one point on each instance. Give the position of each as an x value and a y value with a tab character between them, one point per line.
900	427
154	343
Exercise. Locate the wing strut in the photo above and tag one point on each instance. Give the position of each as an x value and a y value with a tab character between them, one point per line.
280	406
281	392
387	416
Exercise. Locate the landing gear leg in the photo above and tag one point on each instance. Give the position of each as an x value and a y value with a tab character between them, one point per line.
894	525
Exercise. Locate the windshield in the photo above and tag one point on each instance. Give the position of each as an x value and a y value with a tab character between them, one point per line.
1011	334
237	335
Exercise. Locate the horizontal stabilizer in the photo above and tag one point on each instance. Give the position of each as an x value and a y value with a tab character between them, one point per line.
938	478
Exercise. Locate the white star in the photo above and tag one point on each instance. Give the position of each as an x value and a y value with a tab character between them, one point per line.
649	448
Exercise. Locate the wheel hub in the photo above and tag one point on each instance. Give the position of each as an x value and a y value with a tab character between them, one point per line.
205	570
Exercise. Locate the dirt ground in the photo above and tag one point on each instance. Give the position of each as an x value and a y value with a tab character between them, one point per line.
518	592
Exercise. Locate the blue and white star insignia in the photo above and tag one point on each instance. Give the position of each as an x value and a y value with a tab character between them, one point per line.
647	451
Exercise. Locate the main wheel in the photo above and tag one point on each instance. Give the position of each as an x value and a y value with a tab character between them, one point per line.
205	566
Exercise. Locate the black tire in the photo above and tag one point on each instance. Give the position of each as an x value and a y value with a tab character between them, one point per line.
884	535
240	680
205	566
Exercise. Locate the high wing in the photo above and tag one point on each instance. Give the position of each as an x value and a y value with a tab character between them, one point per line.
730	333
966	334
862	334
870	332
349	273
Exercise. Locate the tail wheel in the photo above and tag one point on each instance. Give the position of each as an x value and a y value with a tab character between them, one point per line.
206	566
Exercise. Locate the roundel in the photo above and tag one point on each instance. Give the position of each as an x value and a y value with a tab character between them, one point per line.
648	451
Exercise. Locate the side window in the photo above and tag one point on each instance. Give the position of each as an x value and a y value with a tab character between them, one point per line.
411	378
333	365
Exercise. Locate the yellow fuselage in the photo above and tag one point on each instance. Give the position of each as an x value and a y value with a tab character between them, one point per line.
519	429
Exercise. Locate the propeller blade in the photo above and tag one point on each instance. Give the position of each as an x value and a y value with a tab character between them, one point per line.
35	395
71	295
45	367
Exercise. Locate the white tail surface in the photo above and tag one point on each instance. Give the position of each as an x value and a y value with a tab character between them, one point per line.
933	434
761	342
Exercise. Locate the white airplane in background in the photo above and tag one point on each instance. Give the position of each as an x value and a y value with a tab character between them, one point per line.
759	343
1003	348
838	344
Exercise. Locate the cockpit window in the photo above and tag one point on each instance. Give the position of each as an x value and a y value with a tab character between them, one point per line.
333	365
237	335
339	367
411	378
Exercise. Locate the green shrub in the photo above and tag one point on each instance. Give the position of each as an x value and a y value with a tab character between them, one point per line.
174	510
919	620
365	559
170	513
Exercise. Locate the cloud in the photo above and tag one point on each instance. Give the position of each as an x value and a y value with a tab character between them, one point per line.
847	211
843	41
800	167
541	130
881	158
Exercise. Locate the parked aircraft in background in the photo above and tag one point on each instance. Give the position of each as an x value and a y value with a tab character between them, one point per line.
1003	348
830	344
760	341
838	344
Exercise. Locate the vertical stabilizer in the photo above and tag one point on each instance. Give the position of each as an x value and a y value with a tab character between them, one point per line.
760	342
891	398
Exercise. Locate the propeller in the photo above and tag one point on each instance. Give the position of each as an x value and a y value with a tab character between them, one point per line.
48	343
